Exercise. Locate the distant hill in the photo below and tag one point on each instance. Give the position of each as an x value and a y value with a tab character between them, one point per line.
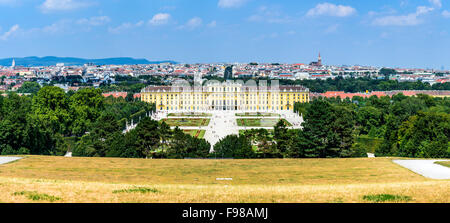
72	61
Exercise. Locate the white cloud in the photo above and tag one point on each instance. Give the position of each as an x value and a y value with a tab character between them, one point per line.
421	10
411	19
10	32
194	23
436	3
329	9
446	14
125	26
62	5
94	21
231	3
160	19
212	24
270	15
57	27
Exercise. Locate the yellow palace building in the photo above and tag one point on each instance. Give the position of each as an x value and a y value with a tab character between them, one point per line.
227	96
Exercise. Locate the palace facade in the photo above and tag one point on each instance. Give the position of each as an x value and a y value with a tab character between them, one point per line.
225	96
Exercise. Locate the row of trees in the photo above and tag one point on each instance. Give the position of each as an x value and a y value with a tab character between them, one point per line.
150	139
362	84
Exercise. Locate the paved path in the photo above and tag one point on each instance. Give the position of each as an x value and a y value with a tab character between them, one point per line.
223	123
426	168
4	160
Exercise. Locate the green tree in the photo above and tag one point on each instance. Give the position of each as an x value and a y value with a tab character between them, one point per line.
426	135
233	146
29	87
316	128
282	138
51	108
148	137
85	107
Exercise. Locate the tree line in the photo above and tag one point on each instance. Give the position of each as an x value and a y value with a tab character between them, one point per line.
362	84
51	121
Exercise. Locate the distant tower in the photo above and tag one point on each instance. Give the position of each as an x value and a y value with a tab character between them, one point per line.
198	77
319	62
13	65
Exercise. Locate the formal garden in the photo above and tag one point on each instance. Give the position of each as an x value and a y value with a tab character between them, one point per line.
199	134
189	114
258	122
257	114
186	122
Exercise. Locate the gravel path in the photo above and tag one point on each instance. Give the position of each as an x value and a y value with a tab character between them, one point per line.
4	160
426	168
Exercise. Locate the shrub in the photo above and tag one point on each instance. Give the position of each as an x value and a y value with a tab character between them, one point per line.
143	190
386	198
35	196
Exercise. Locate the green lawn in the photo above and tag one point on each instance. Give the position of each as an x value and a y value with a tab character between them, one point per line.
257	122
241	132
196	133
187	122
444	163
257	114
190	114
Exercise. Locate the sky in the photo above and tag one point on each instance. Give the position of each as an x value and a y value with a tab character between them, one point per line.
391	33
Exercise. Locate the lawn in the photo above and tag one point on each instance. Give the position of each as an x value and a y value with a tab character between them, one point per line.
444	163
187	122
189	114
196	133
257	114
258	122
271	132
60	179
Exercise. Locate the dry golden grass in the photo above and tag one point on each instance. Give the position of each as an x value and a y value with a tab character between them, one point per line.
92	192
266	181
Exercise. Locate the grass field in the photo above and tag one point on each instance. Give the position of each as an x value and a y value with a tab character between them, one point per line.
187	122
257	122
196	133
271	132
257	114
190	114
444	163
59	179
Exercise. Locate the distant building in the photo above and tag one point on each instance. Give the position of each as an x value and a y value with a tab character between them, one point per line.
116	94
318	63
225	96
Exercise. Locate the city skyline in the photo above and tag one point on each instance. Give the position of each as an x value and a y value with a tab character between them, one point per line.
383	33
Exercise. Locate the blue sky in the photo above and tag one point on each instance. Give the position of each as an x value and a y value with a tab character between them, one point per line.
395	33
